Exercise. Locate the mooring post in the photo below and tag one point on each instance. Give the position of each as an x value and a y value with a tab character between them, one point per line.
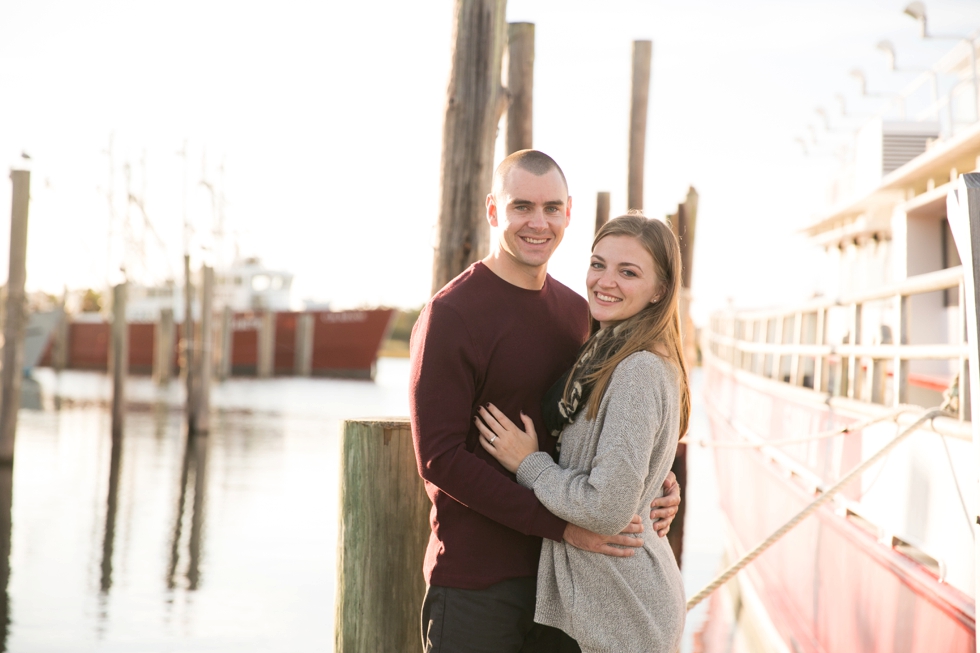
15	320
119	358
601	209
187	341
520	86
224	359
202	383
303	363
475	101
266	364
163	347
639	103
384	529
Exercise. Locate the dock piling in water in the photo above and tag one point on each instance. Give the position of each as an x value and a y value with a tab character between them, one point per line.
119	359
639	104
520	85
15	320
384	529
163	348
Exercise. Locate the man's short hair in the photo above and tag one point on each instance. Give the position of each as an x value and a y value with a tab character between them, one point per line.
536	162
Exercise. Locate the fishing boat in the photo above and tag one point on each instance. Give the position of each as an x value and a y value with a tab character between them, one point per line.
256	331
800	396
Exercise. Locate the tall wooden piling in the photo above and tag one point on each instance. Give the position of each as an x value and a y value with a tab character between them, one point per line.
520	86
163	348
200	424
639	103
303	362
266	364
474	103
384	529
187	344
682	224
119	359
601	209
15	320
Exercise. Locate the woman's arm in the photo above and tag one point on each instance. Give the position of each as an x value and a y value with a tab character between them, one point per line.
605	499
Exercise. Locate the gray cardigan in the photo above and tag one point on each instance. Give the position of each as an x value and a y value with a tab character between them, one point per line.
612	468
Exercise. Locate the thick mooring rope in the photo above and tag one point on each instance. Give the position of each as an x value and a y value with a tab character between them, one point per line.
827	495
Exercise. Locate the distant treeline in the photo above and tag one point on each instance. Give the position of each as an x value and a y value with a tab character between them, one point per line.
405	320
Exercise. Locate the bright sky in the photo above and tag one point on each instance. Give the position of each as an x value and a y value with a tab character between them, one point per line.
328	120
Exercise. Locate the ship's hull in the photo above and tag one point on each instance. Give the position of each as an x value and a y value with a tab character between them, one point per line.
343	343
829	584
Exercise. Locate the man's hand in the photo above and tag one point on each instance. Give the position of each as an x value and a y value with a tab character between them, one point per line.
589	541
663	510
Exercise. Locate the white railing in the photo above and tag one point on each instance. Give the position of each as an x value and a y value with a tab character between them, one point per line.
793	345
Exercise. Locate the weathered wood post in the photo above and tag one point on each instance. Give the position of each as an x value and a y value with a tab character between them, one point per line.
601	209
474	103
266	363
682	224
187	341
384	529
163	347
202	384
15	319
520	86
639	103
119	358
303	362
59	349
224	359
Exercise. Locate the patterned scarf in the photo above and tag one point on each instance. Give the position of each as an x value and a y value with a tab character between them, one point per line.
565	399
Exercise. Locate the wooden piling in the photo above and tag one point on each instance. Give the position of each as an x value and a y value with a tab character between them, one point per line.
224	357
265	367
15	318
520	86
119	358
187	345
163	348
303	362
601	210
642	56
474	103
203	360
384	529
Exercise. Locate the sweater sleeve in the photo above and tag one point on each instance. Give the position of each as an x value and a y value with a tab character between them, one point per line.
604	499
445	374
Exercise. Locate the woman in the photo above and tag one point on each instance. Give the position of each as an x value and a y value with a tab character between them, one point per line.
618	414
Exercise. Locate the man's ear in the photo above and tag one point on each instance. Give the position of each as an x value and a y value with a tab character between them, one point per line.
491	210
568	211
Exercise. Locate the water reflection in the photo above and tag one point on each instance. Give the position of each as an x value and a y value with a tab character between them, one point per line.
193	471
6	502
112	501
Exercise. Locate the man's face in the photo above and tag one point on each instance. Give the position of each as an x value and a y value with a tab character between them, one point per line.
529	214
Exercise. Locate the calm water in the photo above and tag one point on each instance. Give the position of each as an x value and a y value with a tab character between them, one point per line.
228	546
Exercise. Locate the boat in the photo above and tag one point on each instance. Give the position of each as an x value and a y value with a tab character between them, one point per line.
798	396
256	331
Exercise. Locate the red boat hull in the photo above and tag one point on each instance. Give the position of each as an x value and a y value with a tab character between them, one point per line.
828	585
345	343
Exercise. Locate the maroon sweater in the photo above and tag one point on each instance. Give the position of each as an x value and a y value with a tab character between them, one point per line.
482	339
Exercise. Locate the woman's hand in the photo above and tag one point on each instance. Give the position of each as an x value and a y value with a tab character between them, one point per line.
505	442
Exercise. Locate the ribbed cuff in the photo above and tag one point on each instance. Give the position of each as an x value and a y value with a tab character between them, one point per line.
531	467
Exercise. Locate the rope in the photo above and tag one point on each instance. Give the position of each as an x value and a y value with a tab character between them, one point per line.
827	495
844	430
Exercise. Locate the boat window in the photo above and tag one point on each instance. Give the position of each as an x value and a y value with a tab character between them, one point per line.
260	282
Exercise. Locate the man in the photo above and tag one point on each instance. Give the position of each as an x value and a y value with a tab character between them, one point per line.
503	331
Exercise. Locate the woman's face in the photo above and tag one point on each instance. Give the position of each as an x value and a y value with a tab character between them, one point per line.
622	280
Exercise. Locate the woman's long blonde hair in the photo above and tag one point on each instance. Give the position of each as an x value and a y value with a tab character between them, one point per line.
658	326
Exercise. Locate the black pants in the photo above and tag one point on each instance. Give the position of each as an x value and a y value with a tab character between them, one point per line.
498	619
